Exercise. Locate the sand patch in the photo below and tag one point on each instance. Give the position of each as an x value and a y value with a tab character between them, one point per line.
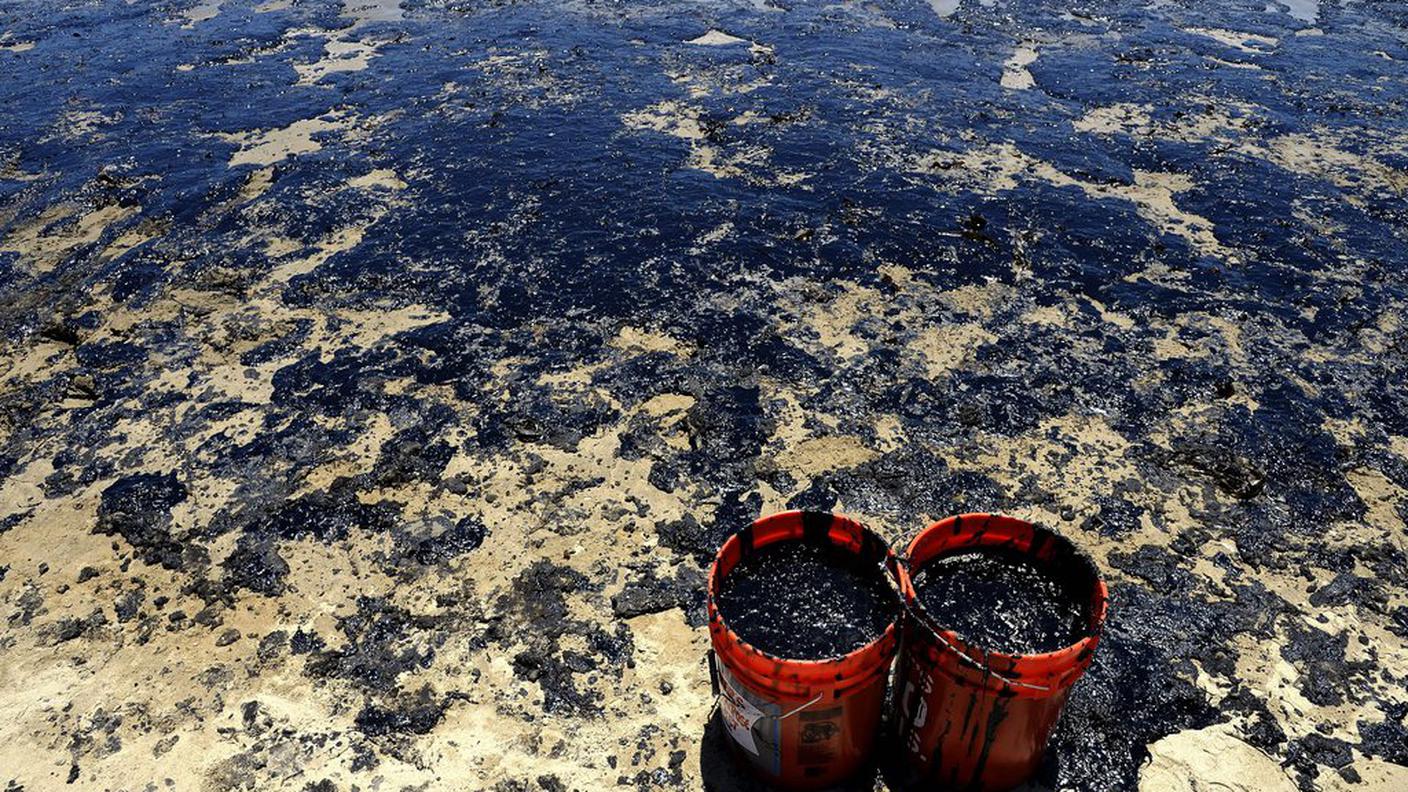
944	8
1205	760
949	347
365	12
824	454
338	56
1246	42
1303	10
747	162
61	230
716	38
1003	167
1204	119
1015	75
668	118
1319	155
200	12
266	147
135	237
377	179
1124	118
642	340
340	241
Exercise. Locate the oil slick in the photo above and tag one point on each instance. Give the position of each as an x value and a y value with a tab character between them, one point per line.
531	304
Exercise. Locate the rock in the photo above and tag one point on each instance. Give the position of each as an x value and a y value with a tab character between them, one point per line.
61	332
271	645
465	536
413	714
67	630
138	508
640	598
83	387
228	637
1373	775
1211	758
716	38
165	744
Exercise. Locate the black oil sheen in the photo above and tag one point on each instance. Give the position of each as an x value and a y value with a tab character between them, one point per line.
806	601
1001	601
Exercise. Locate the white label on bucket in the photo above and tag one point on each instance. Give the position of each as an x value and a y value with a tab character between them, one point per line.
739	714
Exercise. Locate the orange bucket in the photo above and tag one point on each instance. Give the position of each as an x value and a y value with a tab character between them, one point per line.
801	724
977	720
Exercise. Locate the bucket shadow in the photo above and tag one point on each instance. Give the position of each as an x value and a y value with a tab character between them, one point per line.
721	771
895	777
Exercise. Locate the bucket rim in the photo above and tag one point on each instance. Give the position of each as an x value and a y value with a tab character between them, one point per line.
800	525
1059	668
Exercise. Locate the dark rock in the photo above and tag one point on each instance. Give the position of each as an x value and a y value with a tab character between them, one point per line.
416	714
128	603
68	629
465	536
1307	753
642	597
256	566
382	643
304	642
685	536
1344	588
271	645
62	332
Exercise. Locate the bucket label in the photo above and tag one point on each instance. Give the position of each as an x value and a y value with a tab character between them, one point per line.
820	736
751	721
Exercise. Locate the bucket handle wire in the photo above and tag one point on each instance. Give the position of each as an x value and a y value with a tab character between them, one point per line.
714	683
799	709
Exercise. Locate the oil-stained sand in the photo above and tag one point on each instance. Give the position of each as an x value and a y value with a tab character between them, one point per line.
377	379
